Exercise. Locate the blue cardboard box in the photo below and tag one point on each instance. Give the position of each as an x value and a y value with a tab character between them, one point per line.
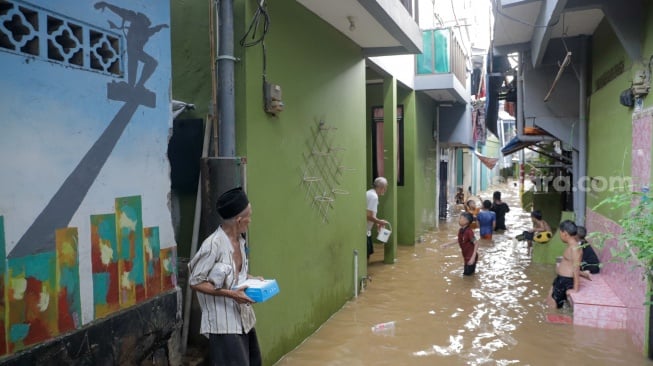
260	291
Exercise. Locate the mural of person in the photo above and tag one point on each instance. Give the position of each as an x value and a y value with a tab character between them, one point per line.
65	202
137	30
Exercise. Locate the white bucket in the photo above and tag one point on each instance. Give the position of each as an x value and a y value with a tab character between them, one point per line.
384	234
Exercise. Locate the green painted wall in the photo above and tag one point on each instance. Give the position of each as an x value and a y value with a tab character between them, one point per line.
609	133
406	218
388	205
426	161
416	199
373	98
547	253
384	95
460	171
312	259
647	51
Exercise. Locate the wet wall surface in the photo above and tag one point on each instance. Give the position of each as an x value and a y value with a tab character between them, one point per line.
439	317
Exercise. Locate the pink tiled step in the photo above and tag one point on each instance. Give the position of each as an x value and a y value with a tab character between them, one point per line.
596	305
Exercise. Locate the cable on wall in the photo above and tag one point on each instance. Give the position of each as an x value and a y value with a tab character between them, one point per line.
261	15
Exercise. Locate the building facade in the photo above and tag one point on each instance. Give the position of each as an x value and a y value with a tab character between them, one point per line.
347	107
575	61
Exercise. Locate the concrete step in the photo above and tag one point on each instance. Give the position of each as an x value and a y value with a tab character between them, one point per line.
596	305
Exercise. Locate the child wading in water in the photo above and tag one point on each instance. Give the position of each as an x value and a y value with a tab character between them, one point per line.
539	226
470	207
486	220
500	208
467	242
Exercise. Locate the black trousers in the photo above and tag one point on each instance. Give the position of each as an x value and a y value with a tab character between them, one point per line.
593	268
470	269
370	247
235	349
528	235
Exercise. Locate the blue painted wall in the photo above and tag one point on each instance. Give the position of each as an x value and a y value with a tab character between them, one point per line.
86	116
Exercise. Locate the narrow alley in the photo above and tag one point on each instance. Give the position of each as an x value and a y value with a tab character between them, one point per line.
497	317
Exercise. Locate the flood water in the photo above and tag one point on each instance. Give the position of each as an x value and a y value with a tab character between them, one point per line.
496	317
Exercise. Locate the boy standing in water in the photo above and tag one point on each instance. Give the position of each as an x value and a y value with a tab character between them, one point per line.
486	220
470	207
568	271
467	242
500	208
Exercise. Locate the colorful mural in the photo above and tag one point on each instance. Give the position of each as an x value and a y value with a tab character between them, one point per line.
152	261
42	297
31	300
104	254
86	103
67	274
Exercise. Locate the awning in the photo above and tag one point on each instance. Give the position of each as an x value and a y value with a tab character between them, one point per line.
489	162
523	141
515	145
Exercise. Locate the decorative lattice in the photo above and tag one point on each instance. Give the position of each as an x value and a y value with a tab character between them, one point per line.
33	31
323	169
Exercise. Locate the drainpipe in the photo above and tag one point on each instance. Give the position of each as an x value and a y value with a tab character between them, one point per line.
355	273
519	119
226	97
438	157
580	197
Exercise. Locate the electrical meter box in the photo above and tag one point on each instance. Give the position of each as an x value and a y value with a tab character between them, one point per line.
272	98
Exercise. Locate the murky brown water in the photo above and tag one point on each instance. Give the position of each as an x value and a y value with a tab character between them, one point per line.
496	317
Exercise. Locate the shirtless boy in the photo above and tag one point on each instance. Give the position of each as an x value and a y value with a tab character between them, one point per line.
569	267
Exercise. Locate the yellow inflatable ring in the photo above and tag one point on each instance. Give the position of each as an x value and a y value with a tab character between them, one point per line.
542	237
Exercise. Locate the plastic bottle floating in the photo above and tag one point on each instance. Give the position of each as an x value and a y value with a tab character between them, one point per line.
383	327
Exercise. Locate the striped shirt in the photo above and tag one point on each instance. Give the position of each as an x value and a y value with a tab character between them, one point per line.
214	263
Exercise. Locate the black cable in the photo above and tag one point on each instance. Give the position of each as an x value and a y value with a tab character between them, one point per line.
253	29
254	25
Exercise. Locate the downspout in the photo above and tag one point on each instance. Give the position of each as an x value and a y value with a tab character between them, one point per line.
226	96
438	159
355	273
582	134
519	119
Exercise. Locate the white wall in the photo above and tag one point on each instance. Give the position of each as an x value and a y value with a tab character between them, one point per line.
402	67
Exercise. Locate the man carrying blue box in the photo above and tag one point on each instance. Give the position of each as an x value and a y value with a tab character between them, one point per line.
216	272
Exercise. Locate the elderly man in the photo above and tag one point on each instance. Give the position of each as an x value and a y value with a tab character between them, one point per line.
380	186
215	271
